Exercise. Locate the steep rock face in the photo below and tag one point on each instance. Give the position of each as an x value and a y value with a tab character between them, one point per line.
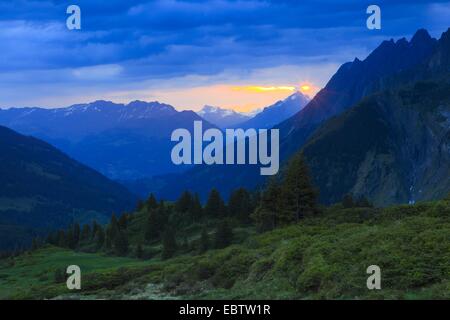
393	147
353	81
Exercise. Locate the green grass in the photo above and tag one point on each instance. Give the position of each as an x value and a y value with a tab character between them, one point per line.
35	271
324	257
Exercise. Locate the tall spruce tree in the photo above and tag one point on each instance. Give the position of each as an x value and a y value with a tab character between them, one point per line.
215	207
152	203
156	222
197	209
184	203
299	198
85	233
99	237
239	205
266	214
76	234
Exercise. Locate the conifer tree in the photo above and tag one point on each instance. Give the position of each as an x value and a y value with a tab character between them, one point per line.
265	215
299	198
215	207
184	203
156	222
95	227
61	239
100	237
76	234
123	221
111	232
197	209
151	202
85	233
239	205
70	243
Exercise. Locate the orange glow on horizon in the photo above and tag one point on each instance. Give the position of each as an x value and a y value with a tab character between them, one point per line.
261	89
305	88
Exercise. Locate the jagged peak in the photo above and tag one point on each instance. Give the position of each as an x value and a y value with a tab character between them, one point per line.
445	37
421	36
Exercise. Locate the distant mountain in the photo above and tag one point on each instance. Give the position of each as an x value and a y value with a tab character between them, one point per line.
222	118
121	141
41	187
277	112
390	66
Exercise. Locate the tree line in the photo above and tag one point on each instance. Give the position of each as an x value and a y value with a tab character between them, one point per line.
285	200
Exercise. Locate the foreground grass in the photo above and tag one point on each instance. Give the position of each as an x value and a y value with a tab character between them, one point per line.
323	257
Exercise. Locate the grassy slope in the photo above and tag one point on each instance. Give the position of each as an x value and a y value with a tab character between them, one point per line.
323	257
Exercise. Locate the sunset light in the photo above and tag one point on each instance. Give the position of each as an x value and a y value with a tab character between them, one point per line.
259	89
305	88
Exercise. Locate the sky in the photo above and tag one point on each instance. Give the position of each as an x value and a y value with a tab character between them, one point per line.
234	54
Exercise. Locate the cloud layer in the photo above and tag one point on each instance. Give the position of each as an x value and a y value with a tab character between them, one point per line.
148	49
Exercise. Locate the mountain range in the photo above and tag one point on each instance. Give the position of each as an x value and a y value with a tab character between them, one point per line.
391	66
120	141
223	118
278	112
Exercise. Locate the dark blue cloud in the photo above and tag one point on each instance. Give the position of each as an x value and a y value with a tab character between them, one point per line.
169	38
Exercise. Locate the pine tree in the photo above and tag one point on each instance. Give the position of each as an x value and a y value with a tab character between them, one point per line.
197	209
85	233
61	239
151	202
224	235
123	221
95	227
111	232
155	223
265	215
76	234
70	243
298	196
169	244
100	237
215	207
239	205
184	203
